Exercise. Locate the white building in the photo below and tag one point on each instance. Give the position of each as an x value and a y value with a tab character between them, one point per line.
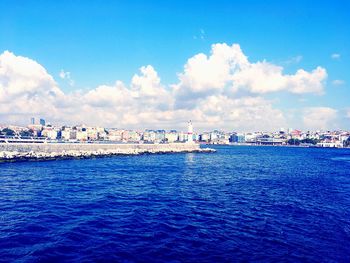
65	134
50	133
330	144
149	136
92	133
171	136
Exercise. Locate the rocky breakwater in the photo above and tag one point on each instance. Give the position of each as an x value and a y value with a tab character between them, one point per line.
53	151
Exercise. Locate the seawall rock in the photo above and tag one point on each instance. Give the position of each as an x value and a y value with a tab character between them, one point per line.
49	151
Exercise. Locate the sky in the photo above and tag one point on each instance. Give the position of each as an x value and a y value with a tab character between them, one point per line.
230	65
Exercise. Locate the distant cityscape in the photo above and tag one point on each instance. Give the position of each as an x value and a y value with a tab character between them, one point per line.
39	130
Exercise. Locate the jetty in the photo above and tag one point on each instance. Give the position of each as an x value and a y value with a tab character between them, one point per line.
58	150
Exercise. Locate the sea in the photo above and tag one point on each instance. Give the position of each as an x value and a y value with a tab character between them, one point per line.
240	204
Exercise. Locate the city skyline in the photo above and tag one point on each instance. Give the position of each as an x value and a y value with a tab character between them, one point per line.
138	66
40	122
40	132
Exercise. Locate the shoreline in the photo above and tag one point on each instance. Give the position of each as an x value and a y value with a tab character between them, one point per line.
269	145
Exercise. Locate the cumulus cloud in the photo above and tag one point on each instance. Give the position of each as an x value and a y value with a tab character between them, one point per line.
21	76
228	69
263	77
223	90
203	73
105	96
25	86
241	113
147	89
320	117
335	56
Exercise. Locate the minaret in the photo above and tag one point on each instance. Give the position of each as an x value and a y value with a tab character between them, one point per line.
190	132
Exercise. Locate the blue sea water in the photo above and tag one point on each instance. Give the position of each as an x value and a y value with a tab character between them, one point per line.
253	204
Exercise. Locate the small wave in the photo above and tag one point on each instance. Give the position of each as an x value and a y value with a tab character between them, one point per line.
341	159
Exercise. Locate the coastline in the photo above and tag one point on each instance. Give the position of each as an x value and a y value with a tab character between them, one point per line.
277	145
56	151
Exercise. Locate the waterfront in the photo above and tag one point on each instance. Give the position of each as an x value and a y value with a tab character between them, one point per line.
241	203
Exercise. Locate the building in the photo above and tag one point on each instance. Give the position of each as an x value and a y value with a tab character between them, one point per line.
115	135
266	140
149	136
296	134
134	136
237	138
250	137
171	136
81	134
330	143
65	133
36	128
50	133
160	136
204	137
92	133
183	136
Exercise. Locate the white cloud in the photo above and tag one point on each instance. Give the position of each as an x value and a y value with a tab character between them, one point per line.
320	117
245	113
147	85
222	90
335	56
338	82
228	68
107	96
21	76
307	82
25	87
66	76
263	77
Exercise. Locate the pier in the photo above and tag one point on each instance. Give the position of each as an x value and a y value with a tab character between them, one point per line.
56	150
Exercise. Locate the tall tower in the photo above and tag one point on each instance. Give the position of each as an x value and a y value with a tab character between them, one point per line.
42	122
190	132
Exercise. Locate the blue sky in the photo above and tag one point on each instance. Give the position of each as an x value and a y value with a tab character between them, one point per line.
99	43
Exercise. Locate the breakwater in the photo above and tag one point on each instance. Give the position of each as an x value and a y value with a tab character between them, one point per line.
23	151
